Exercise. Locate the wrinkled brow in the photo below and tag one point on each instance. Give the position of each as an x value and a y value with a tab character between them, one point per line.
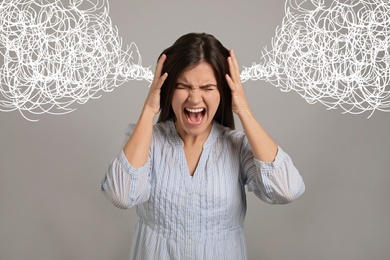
189	85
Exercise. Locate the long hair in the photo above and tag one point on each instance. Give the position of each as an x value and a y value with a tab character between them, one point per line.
187	51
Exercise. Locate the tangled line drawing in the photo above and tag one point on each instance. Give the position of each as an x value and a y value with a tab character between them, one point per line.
53	55
338	55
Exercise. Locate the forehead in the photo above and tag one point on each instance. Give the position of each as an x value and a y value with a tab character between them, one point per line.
201	72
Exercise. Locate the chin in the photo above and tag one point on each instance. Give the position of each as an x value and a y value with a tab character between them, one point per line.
194	129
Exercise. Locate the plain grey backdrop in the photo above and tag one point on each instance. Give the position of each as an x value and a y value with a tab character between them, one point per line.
50	202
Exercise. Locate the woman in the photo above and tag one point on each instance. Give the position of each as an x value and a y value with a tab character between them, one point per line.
187	173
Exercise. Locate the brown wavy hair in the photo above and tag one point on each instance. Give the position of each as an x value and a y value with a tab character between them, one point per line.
187	51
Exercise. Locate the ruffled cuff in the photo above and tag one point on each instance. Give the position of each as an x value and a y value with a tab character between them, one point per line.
279	158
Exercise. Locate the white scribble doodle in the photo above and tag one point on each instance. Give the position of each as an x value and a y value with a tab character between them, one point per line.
53	55
336	54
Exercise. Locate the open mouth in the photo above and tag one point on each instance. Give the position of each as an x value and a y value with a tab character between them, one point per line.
194	115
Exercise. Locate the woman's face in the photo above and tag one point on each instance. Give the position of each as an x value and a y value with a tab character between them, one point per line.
195	100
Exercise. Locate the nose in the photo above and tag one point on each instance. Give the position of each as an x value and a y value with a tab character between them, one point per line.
195	96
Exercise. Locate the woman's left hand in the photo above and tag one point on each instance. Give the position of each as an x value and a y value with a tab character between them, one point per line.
239	102
263	147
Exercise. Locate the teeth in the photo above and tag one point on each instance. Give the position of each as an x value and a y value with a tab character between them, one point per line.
196	110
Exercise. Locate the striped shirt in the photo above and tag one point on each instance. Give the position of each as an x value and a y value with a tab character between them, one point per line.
199	217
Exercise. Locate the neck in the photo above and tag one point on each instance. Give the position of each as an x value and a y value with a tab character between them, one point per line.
193	140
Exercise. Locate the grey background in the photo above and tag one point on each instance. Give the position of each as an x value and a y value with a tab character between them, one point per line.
50	201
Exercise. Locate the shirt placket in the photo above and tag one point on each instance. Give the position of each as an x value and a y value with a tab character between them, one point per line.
189	227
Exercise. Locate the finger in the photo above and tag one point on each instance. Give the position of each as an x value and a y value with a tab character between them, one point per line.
230	83
235	66
234	58
234	76
232	70
159	66
161	80
231	67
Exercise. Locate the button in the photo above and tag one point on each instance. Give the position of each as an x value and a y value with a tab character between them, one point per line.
189	240
190	192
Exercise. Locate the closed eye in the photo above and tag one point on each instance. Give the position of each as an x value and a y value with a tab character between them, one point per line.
209	87
182	86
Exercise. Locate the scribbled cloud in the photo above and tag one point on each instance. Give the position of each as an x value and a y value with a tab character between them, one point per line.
337	54
54	54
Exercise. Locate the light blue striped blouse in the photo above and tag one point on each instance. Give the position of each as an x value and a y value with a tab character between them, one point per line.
199	217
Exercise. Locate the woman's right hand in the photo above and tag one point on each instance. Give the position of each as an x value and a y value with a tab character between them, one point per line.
152	102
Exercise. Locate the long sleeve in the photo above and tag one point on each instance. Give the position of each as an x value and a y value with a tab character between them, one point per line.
124	185
277	182
200	216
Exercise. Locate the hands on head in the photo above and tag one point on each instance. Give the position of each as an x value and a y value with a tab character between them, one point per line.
239	101
152	102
